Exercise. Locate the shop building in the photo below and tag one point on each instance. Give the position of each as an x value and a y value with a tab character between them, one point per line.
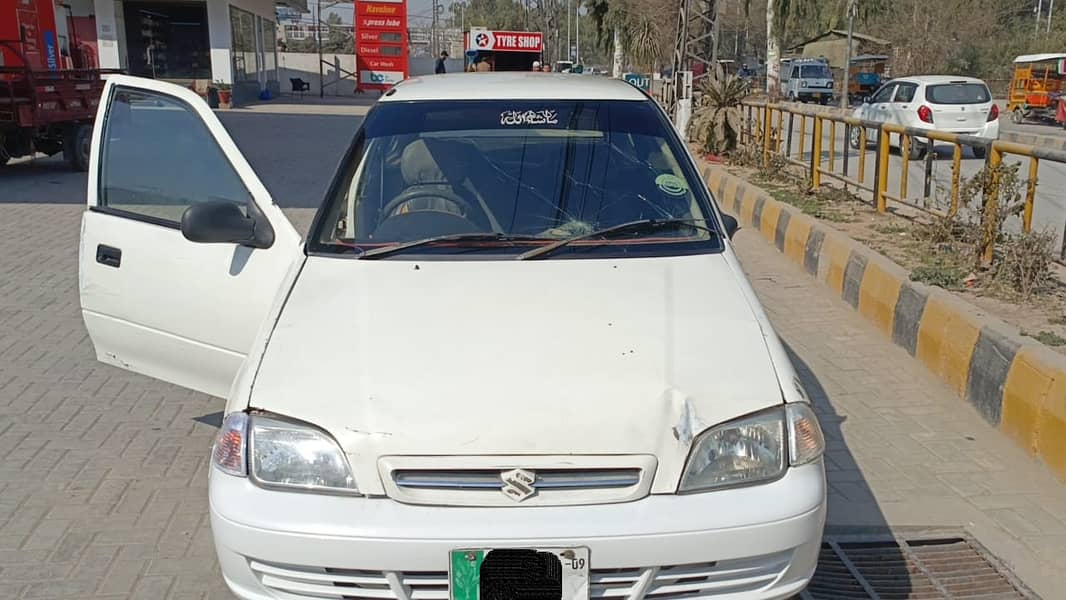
189	42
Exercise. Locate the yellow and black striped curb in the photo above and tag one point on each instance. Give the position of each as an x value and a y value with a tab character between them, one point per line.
1017	384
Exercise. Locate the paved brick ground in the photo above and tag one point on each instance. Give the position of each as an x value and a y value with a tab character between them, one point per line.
103	473
903	451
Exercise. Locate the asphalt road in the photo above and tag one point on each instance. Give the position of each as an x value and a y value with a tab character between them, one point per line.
294	155
1050	200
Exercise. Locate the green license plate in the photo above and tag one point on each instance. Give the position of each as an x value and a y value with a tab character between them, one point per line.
485	574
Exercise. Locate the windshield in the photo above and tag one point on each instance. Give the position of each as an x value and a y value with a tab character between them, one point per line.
815	72
524	173
958	93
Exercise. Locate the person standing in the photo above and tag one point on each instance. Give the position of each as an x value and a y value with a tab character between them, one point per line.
440	69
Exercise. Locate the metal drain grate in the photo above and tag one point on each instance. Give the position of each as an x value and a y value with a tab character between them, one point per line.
904	569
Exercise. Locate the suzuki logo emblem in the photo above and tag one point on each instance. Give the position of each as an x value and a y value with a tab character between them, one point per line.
518	484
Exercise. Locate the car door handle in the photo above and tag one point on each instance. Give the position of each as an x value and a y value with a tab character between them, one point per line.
109	256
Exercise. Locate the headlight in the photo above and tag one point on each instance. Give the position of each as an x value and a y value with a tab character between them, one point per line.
803	83
282	454
753	449
741	452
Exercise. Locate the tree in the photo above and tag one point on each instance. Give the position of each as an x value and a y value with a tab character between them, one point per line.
773	47
634	29
339	37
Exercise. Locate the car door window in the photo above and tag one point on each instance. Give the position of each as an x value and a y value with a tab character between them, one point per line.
159	158
905	93
884	94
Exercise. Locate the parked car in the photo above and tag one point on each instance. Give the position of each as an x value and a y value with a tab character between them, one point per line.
947	103
516	349
808	79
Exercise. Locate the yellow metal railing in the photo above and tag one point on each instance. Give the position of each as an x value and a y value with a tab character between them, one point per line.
772	117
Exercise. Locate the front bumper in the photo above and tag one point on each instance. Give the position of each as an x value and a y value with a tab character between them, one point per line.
759	542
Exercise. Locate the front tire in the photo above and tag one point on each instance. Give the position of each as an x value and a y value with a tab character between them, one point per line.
1017	116
916	151
855	139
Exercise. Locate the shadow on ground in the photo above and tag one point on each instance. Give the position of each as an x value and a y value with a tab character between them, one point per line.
848	492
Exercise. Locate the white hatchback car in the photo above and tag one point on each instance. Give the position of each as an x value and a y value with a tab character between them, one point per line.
516	356
961	105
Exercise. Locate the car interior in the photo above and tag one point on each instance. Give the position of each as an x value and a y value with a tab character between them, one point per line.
414	186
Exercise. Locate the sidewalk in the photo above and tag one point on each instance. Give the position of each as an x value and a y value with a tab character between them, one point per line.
903	450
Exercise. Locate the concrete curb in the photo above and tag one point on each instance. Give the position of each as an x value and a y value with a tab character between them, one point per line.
1017	384
1034	139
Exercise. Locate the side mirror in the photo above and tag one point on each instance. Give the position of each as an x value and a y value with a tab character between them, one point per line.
865	99
731	225
223	222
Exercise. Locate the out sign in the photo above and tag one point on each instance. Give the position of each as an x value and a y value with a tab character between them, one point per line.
639	80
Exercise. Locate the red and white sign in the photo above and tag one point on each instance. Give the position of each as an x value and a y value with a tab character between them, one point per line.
389	23
381	43
506	41
383	64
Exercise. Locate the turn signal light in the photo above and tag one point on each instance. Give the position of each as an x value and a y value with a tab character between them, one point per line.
925	114
993	114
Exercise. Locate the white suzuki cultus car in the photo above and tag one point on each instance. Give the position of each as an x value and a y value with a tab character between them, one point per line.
515	357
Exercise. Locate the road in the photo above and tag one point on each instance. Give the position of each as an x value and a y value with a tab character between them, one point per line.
103	482
1050	200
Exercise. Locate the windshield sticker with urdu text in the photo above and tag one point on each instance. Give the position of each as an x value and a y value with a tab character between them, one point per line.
529	117
671	184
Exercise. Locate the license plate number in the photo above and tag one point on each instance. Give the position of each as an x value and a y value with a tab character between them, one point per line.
514	574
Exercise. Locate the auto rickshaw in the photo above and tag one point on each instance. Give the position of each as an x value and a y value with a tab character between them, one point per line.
1036	87
866	75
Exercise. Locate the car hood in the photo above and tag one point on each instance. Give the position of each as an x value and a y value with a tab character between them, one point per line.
543	357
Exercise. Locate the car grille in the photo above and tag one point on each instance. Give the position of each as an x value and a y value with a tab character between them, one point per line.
557	481
697	580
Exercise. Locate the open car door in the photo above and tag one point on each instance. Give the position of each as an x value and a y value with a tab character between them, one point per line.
153	301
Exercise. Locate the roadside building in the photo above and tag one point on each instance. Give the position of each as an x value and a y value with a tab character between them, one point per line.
833	46
191	43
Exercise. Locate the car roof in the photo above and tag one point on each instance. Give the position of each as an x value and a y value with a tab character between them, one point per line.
1028	58
518	85
933	79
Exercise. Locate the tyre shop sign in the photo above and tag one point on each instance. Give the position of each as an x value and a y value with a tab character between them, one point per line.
506	41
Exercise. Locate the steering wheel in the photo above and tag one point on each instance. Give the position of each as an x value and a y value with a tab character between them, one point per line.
414	193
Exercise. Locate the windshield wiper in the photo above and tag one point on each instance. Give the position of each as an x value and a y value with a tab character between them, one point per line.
454	237
641	225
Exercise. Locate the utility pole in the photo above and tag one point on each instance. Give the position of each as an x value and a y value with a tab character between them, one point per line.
433	40
318	46
577	29
1039	11
853	7
569	55
1050	9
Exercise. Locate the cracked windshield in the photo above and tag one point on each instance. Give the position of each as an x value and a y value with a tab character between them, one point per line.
510	175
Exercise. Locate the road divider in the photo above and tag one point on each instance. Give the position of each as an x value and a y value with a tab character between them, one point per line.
1017	384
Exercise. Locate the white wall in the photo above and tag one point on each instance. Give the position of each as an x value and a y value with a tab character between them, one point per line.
107	35
305	66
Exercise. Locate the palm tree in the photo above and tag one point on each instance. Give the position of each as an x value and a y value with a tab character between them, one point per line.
629	27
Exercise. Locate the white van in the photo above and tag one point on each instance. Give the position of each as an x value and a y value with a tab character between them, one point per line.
807	79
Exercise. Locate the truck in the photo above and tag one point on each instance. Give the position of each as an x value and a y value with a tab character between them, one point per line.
47	101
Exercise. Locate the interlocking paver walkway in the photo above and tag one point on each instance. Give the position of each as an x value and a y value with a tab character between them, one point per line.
103	473
903	450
